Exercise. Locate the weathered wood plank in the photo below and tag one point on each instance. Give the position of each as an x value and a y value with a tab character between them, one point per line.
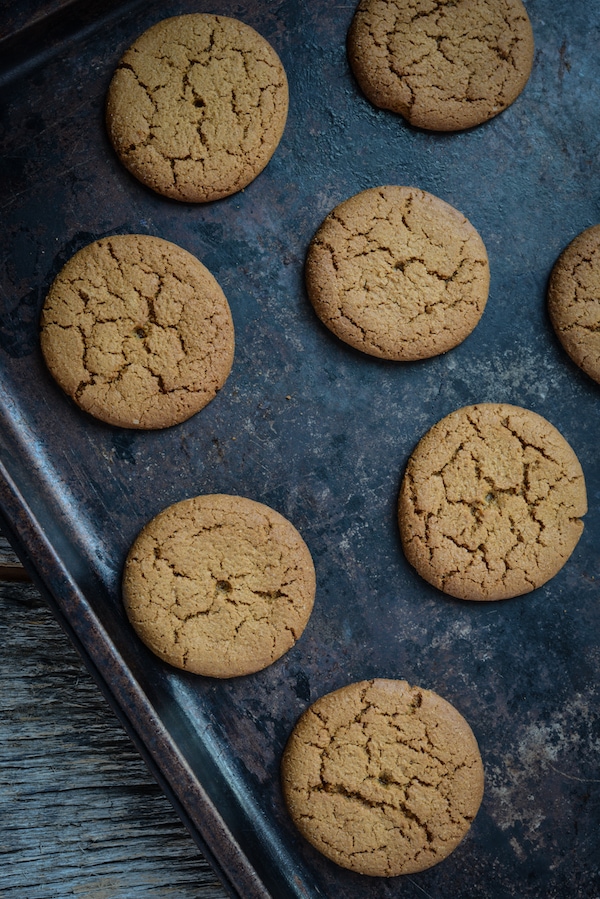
7	556
10	567
80	815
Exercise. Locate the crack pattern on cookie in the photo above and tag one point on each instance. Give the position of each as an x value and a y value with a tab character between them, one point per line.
443	65
382	777
398	273
491	503
137	331
197	106
219	585
574	300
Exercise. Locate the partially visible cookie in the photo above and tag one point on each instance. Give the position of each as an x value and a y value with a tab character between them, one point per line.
137	331
219	585
197	106
382	777
491	502
398	273
443	65
574	300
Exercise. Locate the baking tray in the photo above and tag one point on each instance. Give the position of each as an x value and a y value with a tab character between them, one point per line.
317	431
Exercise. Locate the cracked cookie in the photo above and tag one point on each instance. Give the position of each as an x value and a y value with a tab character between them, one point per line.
398	273
137	331
574	300
197	106
491	502
444	65
382	777
219	585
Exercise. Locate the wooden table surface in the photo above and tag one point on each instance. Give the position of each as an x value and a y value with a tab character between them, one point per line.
80	815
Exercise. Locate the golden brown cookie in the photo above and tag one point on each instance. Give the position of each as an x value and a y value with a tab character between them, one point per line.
219	585
442	64
491	502
398	273
574	300
383	778
197	106
137	331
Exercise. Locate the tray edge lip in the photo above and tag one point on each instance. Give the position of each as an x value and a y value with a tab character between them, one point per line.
230	864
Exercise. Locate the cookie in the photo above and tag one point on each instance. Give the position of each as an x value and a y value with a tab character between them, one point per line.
137	331
382	777
444	65
197	106
574	300
398	273
491	502
219	585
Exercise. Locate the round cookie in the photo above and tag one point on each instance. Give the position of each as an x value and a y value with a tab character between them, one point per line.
398	273
197	106
137	331
490	502
574	300
443	65
382	777
219	585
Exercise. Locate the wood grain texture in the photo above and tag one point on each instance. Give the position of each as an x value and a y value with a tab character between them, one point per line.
10	567
80	815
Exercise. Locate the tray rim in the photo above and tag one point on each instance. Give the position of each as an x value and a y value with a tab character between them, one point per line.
126	697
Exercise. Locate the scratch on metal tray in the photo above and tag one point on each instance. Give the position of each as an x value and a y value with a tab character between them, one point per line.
583	780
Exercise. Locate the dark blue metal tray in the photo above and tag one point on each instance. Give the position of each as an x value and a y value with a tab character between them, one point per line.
317	431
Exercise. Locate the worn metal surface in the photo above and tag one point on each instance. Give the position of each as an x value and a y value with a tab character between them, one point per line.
322	434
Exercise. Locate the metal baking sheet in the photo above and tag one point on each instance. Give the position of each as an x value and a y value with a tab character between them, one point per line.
319	432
